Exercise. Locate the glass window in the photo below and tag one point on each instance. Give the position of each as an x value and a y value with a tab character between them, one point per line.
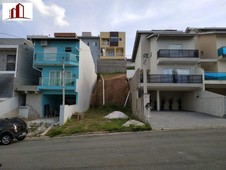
11	63
111	53
167	71
114	39
68	79
67	49
50	53
94	43
55	78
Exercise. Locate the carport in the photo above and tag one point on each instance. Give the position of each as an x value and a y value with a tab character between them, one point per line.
167	120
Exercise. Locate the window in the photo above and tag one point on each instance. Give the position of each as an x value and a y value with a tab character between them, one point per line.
114	39
175	46
68	79
168	71
184	71
11	63
94	43
67	49
87	43
50	54
105	42
111	53
120	39
55	78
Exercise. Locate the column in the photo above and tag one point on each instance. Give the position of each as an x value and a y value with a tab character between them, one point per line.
158	100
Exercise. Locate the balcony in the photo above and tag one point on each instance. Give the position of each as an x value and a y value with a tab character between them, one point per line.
215	75
112	56
170	78
167	56
222	53
46	83
173	82
55	59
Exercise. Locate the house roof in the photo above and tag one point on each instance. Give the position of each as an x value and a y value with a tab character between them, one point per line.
51	38
159	33
207	30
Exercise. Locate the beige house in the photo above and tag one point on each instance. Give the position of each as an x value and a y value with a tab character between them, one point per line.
169	73
211	43
112	52
112	45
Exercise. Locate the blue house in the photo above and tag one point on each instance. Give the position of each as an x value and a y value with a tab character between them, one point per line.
58	59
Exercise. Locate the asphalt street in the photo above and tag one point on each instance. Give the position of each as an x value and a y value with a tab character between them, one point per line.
174	149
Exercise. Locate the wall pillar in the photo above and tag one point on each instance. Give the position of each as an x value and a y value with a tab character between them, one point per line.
158	100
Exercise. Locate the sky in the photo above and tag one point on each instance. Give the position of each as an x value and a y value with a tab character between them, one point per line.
97	16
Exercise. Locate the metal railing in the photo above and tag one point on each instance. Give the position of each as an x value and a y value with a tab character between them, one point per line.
55	58
111	54
170	78
166	53
46	81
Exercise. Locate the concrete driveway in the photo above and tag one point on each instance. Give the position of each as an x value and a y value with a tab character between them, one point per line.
184	120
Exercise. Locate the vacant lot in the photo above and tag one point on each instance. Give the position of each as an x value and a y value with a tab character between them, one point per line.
93	122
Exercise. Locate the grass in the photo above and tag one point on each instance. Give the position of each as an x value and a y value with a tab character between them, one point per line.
94	122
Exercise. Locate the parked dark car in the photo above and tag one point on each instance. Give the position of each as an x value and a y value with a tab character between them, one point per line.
12	128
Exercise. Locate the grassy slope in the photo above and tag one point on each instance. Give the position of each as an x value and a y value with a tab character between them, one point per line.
93	122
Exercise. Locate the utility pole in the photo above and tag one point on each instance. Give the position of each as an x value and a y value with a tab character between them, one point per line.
146	96
63	83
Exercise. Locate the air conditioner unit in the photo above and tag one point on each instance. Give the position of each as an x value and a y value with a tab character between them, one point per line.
44	43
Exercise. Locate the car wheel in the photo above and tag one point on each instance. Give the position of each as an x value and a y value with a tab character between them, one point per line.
6	139
21	138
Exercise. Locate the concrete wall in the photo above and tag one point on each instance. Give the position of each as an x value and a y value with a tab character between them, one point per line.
137	102
221	40
144	47
25	74
34	102
66	113
111	66
186	43
94	46
87	78
206	102
207	45
9	105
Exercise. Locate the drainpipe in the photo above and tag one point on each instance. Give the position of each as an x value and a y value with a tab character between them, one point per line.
103	89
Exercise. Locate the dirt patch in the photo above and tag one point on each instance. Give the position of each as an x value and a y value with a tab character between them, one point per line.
116	90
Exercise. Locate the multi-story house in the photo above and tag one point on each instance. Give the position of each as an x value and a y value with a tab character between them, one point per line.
112	52
211	43
67	72
169	75
94	44
15	71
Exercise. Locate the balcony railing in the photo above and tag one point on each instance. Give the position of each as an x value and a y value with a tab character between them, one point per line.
55	58
111	54
215	75
46	81
170	78
166	53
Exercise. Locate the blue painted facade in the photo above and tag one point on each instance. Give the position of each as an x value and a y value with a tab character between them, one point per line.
50	54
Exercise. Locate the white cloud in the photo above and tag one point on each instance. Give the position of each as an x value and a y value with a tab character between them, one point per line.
52	11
